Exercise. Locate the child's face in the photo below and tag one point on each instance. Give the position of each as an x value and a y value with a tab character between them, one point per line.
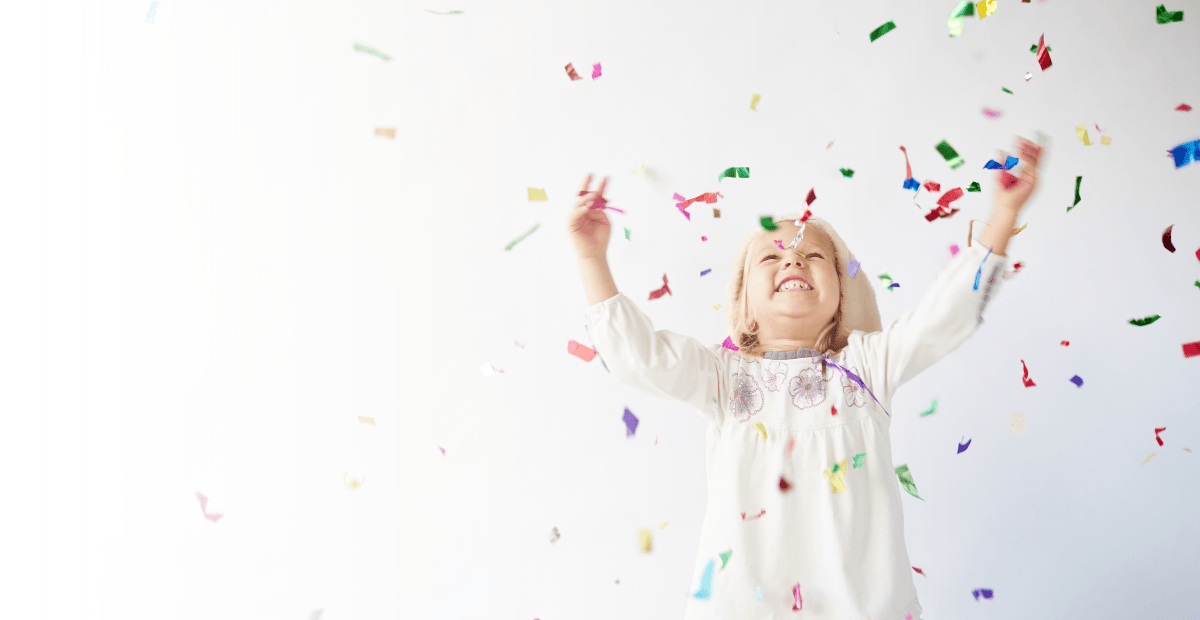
790	295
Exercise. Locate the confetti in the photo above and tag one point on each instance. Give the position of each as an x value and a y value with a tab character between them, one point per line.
982	591
708	197
211	516
1146	321
791	445
595	71
784	485
768	223
1191	349
554	535
893	285
852	268
725	557
962	447
884	277
758	593
1043	53
920	571
738	173
836	475
966	8
829	145
833	410
954	249
389	132
627	235
664	524
779	244
799	604
1028	76
665	290
1033	49
950	155
640	169
1025	379
580	351
1006	90
1149	457
728	344
1183	107
762	429
990	113
537	194
1065	343
909	181
703	238
760	514
1156	437
882	30
1165	17
571	72
373	52
1081	131
521	238
631	422
644	535
846	172
932	186
754	101
985	8
858	460
716	213
1017	422
352	484
995	165
1078	180
1077	381
943	209
1105	140
705	272
930	410
151	12
906	480
443	450
366	420
1186	153
974	187
1016	267
980	272
488	370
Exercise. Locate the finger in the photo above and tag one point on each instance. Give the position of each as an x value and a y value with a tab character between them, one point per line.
603	184
586	182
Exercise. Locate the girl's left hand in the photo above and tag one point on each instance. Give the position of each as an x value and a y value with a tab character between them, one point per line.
1013	191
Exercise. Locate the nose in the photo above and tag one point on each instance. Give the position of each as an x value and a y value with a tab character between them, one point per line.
798	264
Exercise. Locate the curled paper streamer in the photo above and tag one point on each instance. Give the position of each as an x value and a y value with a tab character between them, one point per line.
738	173
1043	53
758	426
754	101
728	344
373	52
725	557
852	268
580	351
1146	321
745	518
930	410
920	571
1156	437
705	590
1017	422
389	132
211	516
1078	181
986	593
979	273
951	156
1077	381
1009	162
631	422
521	238
705	272
571	72
836	475
1025	379
799	604
1163	16
858	380
655	294
962	447
906	480
366	420
1166	239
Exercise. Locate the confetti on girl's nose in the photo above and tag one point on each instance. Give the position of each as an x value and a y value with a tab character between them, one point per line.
1025	379
554	535
645	540
1146	321
1156	437
1077	381
1043	53
373	52
595	71
1017	422
571	72
930	410
521	238
211	516
852	268
986	593
1186	153
906	480
705	272
665	290
768	223
366	420
1191	349
631	422
1165	17
736	173
536	194
1166	239
799	604
949	154
728	344
962	447
754	101
990	113
1009	162
745	518
762	429
580	351
150	13
846	172
784	485
882	30
725	558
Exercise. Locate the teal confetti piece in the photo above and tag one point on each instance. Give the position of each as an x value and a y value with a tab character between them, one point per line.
739	173
705	590
930	410
151	12
1165	17
974	187
725	557
906	480
886	28
373	52
627	234
858	460
950	154
1078	180
1146	321
846	172
768	223
522	237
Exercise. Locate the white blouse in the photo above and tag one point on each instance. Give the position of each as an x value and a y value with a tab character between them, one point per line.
838	529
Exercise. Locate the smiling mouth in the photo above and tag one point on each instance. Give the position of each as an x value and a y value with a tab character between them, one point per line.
793	284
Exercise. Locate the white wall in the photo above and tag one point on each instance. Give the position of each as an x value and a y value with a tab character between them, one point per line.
211	267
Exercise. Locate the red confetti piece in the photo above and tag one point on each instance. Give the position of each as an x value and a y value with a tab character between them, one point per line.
920	571
1016	267
834	410
1065	343
799	604
662	291
1166	238
1191	349
907	166
1026	380
950	197
1183	107
1043	54
709	198
812	195
933	186
1156	432
807	214
571	72
745	518
580	351
783	484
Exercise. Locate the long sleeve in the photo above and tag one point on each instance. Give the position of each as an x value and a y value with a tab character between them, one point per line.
660	363
947	315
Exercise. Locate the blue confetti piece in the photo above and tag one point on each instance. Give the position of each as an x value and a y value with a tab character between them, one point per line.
980	272
1186	153
962	447
1077	381
912	184
705	272
150	13
852	268
631	422
758	594
995	165
705	590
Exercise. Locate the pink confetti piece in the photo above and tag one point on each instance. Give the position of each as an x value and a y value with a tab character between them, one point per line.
990	113
932	186
1156	437
204	508
728	344
1098	127
745	518
954	250
665	290
443	450
595	71
580	351
799	604
791	445
779	244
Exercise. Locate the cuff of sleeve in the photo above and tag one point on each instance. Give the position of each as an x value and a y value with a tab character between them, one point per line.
606	304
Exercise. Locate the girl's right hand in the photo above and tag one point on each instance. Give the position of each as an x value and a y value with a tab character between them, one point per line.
587	225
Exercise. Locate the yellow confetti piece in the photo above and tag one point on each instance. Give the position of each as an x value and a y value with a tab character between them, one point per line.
664	524
1105	140
645	535
1017	422
387	132
835	474
1081	131
762	429
640	169
537	194
353	484
754	101
1017	230
366	420
1148	458
985	8
717	307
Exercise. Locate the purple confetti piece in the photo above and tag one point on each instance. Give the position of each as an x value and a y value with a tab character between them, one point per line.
893	285
595	71
1077	381
728	344
852	268
679	198
984	591
962	447
631	422
705	272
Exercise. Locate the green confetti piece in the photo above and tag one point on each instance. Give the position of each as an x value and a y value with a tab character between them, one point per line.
886	28
906	480
1198	283
835	468
522	237
1078	180
950	154
1165	17
363	48
1006	90
884	277
974	187
1146	321
846	172
768	223
627	233
930	410
725	557
1034	48
739	173
964	9
858	460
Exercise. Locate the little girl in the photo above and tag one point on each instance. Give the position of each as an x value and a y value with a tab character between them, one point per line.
801	484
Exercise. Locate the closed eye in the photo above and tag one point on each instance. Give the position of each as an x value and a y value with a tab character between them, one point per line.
769	257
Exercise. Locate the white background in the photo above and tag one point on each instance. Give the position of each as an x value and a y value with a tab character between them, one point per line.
211	266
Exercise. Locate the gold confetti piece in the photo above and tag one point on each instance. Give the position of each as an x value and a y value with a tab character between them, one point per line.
1017	230
353	484
985	8
1017	422
835	474
717	307
1148	458
387	132
1105	140
1081	130
645	536
716	213
366	420
537	194
762	429
754	101
664	524
641	168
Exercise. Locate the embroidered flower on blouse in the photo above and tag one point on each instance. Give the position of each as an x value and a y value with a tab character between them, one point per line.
774	375
853	393
807	388
746	399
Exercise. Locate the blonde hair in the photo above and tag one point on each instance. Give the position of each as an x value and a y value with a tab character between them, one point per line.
743	327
